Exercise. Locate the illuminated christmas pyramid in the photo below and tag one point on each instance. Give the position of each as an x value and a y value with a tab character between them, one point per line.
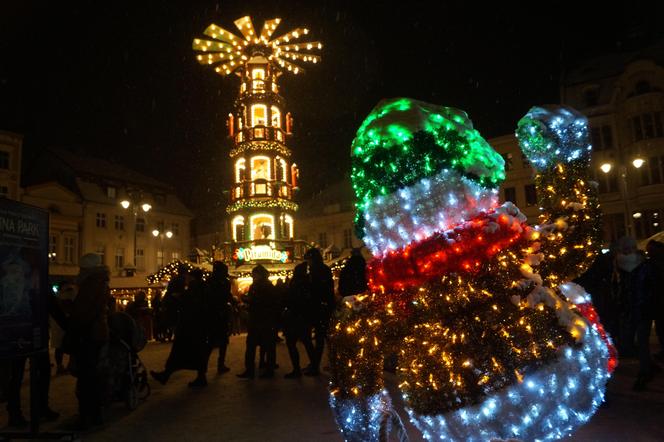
476	304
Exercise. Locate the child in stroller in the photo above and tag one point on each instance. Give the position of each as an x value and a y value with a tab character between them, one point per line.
128	380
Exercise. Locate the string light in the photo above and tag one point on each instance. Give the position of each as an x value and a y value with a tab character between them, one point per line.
272	203
227	47
492	340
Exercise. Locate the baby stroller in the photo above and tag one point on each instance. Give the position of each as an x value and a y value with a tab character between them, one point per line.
128	378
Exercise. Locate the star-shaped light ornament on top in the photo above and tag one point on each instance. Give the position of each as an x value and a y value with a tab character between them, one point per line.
230	52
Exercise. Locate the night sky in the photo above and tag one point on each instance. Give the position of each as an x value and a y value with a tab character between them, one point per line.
119	80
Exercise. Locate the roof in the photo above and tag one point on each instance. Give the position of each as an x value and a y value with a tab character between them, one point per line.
611	65
84	166
88	177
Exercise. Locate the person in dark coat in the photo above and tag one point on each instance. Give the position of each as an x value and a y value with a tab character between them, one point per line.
353	278
625	276
88	326
650	280
322	304
43	364
171	304
263	309
220	300
297	302
191	348
597	282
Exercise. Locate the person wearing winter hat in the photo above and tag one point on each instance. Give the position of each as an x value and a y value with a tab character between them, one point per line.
89	329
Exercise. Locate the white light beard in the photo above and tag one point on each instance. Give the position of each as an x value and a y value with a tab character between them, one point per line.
413	213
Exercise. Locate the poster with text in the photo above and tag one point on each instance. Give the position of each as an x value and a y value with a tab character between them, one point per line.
23	279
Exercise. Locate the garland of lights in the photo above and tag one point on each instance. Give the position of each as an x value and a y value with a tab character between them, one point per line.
260	146
167	272
492	342
262	204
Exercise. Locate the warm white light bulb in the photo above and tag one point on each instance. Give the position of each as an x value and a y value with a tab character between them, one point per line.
169	234
606	167
146	207
637	215
638	162
155	232
125	204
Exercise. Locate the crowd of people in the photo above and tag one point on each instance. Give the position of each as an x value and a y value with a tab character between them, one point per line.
197	314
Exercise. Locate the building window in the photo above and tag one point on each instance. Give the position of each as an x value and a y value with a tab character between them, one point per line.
614	226
68	250
140	259
160	258
175	228
240	170
101	220
4	191
119	258
175	256
262	226
524	161
652	171
52	247
642	87
238	228
531	195
140	224
348	238
510	194
649	125
591	96
4	159
287	227
258	115
648	224
260	170
111	192
258	76
101	251
508	161
608	182
322	239
119	222
601	137
276	116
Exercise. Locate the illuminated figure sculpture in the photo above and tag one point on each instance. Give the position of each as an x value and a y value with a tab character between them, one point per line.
476	304
262	208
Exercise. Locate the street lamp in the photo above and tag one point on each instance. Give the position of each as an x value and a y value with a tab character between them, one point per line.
629	216
145	207
158	234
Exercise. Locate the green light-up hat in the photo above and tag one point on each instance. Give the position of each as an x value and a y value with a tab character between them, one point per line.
403	141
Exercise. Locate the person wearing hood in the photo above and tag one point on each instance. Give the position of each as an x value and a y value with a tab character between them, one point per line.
263	306
191	346
628	259
89	334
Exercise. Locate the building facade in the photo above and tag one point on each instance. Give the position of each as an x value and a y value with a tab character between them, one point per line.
622	95
11	145
85	196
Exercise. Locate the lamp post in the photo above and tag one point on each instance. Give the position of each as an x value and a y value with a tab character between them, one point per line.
622	170
159	234
135	206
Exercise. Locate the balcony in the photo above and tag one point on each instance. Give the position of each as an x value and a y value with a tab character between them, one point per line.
260	133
